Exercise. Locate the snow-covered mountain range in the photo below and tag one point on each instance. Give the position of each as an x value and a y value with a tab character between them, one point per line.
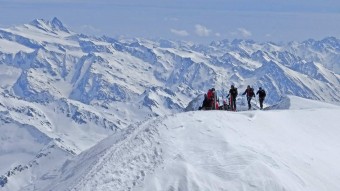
62	93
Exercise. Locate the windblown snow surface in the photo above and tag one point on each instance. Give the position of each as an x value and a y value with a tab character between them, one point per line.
294	147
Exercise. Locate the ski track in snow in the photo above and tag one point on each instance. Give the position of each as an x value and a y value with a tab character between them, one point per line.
125	164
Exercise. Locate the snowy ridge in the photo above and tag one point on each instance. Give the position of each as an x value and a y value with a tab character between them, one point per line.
143	156
216	150
297	104
70	91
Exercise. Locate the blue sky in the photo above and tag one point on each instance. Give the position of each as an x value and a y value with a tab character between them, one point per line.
193	20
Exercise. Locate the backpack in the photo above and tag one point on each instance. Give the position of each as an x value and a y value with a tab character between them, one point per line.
210	94
262	93
251	92
234	92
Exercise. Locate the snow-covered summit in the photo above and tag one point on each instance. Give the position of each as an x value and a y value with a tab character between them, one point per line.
293	149
49	26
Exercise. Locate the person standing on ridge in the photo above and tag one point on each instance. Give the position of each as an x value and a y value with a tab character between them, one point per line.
262	95
212	98
205	104
233	94
250	94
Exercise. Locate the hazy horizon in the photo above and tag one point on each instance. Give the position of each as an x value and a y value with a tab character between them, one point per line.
197	21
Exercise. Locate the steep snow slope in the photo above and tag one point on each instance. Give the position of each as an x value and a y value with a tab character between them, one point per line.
37	138
293	149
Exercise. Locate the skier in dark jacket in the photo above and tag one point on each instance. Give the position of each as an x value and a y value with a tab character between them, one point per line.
250	94
262	95
233	94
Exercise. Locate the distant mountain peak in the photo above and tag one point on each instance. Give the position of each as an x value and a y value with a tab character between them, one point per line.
39	23
49	26
57	24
